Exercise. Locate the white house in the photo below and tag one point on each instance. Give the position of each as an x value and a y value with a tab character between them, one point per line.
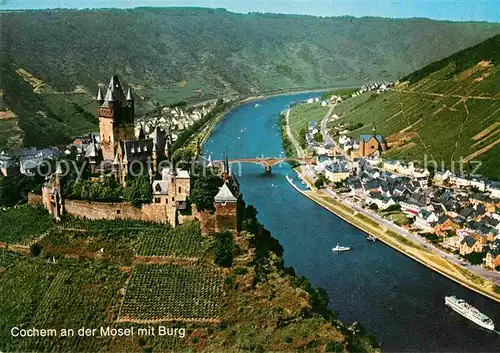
410	208
494	190
425	220
381	201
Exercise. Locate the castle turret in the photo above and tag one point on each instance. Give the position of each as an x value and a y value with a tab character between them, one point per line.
99	98
130	96
116	118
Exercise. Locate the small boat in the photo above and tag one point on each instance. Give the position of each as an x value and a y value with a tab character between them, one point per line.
339	248
257	105
370	238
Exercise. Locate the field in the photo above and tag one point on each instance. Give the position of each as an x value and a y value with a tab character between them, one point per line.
172	293
24	223
302	114
37	293
183	241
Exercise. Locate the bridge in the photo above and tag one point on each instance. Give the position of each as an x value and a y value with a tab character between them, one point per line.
268	163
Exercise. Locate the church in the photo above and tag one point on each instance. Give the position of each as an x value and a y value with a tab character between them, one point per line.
118	149
372	144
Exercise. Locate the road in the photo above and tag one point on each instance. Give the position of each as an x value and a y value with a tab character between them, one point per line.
300	152
416	239
326	136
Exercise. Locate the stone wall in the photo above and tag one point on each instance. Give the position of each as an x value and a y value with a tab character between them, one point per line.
110	210
224	218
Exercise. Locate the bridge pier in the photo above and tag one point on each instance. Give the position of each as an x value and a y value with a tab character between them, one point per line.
268	169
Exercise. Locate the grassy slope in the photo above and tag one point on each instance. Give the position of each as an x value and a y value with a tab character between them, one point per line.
302	114
166	54
85	287
439	112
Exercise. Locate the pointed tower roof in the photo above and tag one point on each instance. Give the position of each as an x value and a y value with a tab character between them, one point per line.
374	129
109	95
116	160
225	195
130	96
158	138
91	150
142	135
115	91
99	95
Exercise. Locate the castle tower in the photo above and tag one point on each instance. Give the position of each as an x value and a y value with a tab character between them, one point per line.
116	117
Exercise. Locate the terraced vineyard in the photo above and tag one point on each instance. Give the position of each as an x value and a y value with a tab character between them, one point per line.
24	223
7	258
159	293
447	111
182	241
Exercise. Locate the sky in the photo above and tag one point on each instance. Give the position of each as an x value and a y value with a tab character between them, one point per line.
454	10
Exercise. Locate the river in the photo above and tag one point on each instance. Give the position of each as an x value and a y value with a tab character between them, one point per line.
394	297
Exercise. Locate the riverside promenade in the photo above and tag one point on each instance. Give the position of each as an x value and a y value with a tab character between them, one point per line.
404	245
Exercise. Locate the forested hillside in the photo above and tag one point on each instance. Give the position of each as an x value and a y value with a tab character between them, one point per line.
168	54
445	112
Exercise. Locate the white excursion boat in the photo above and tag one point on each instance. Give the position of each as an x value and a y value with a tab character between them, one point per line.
469	312
370	238
339	248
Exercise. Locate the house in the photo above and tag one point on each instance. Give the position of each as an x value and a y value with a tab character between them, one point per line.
442	176
391	164
453	242
492	259
382	202
494	190
459	181
470	245
444	225
426	220
411	207
337	171
173	188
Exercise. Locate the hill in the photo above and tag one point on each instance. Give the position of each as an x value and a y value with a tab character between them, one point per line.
446	111
122	274
170	54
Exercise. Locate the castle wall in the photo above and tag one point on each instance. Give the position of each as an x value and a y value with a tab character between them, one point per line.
110	210
224	218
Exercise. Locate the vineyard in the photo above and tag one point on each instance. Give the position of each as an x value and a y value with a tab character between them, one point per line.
104	225
24	223
68	294
172	293
182	241
7	258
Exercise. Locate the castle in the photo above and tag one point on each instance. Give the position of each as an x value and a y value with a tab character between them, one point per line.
118	149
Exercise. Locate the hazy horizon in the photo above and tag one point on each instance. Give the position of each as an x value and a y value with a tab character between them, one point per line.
480	10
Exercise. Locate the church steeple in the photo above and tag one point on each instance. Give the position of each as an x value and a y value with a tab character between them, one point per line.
374	129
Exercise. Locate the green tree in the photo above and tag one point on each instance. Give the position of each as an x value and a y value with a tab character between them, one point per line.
224	249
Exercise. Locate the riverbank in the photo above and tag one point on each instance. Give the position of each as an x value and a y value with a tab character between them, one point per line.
434	262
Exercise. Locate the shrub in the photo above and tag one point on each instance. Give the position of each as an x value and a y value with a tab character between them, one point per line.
224	249
35	249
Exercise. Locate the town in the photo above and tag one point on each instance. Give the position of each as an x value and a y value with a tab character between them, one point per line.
455	215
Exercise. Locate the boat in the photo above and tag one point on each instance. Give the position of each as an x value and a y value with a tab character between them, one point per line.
370	238
469	312
339	248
